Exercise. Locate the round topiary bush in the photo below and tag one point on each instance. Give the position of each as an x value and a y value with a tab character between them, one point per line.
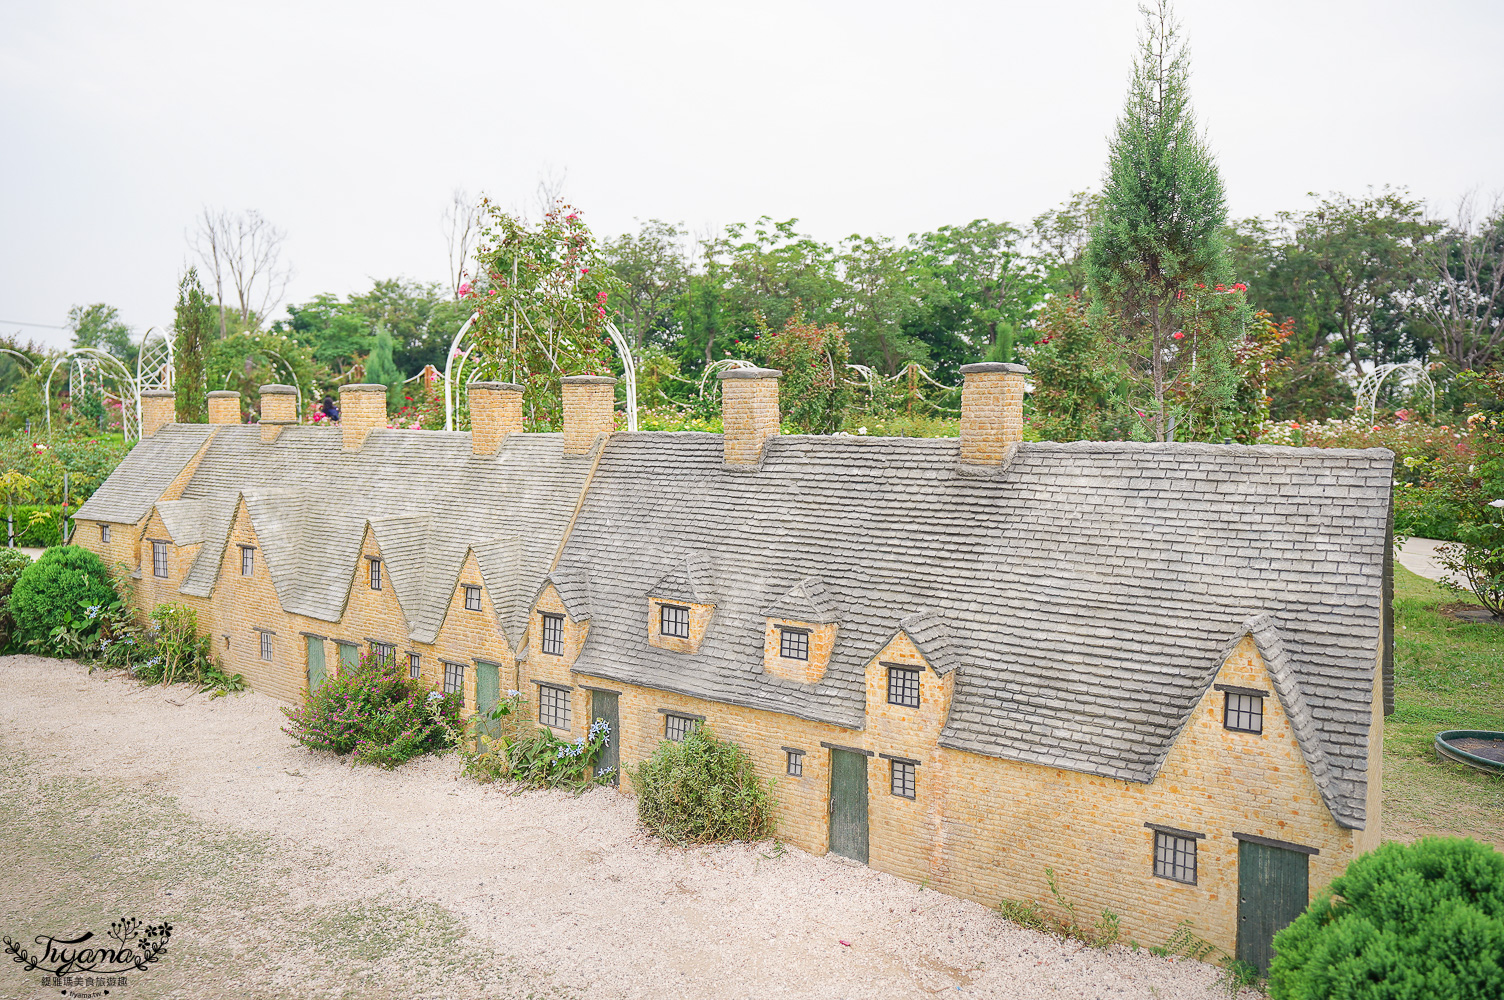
55	589
1423	921
700	790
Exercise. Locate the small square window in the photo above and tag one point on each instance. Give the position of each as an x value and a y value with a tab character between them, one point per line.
793	644
1175	857
673	620
795	763
553	634
159	559
266	645
903	778
553	706
676	727
414	665
247	560
384	653
472	598
375	574
1244	713
454	678
903	687
104	533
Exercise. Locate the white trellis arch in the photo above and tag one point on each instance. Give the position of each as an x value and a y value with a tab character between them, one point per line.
286	366
1413	372
86	363
154	370
454	379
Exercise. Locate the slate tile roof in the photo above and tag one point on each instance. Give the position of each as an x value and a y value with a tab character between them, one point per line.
428	500
1087	593
145	472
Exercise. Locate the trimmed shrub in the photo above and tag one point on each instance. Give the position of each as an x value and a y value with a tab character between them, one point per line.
701	790
1418	921
376	713
13	563
52	590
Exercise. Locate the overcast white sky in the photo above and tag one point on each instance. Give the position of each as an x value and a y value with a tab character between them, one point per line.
349	125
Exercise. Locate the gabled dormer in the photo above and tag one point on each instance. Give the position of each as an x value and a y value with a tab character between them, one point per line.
801	632
680	606
911	680
561	618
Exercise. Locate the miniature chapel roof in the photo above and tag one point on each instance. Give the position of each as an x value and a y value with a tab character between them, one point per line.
1085	595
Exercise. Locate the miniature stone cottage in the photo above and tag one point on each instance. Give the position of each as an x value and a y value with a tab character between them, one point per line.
1159	671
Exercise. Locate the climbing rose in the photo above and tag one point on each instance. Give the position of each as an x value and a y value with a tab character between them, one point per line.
1178	335
465	290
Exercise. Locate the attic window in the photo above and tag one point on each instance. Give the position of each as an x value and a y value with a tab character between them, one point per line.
375	574
1243	712
104	533
903	687
247	560
159	559
793	644
553	635
673	620
472	598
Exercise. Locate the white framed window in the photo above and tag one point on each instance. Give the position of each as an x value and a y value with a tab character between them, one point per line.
794	762
793	644
247	560
676	727
673	620
104	533
553	706
553	634
454	678
414	665
159	559
903	687
1175	856
472	598
375	573
266	646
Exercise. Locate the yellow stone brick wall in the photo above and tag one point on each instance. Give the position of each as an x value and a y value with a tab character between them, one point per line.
589	411
991	415
224	407
467	636
122	550
158	409
749	415
362	409
495	412
279	404
699	621
555	669
822	639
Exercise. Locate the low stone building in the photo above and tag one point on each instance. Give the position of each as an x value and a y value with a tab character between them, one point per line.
1155	674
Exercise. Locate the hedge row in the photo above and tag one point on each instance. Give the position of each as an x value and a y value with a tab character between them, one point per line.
39	536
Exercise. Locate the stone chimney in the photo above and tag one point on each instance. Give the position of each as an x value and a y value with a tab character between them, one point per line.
158	409
224	406
495	412
749	414
362	409
992	411
589	410
279	409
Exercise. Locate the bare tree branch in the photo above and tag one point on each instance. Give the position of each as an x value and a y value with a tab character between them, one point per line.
1467	301
461	227
244	251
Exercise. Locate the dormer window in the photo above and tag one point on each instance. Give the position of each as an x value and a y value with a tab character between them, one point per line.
1242	709
673	620
472	598
375	574
793	644
247	560
903	687
553	635
159	559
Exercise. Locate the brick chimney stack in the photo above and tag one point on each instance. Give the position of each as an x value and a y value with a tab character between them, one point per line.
589	410
362	409
992	411
224	406
749	414
158	409
495	412
279	409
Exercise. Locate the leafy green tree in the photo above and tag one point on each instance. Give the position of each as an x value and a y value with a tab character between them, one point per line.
1060	238
99	326
193	324
981	269
880	293
380	368
655	273
246	361
1422	921
1465	301
813	392
1159	234
1080	385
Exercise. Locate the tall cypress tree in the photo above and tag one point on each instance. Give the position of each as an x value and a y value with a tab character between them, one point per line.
380	368
192	322
1159	233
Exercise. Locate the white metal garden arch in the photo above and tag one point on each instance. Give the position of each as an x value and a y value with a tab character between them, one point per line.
154	369
287	365
1368	387
107	365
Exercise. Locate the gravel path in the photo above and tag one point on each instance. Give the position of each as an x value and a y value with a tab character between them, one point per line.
547	892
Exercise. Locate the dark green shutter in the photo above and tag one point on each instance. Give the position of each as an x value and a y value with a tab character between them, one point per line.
1273	889
603	706
487	694
315	663
848	805
349	656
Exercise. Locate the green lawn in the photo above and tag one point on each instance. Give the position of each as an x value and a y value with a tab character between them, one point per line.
1448	675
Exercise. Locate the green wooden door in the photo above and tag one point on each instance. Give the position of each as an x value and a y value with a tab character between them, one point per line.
1273	889
315	663
349	656
603	708
848	805
487	694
